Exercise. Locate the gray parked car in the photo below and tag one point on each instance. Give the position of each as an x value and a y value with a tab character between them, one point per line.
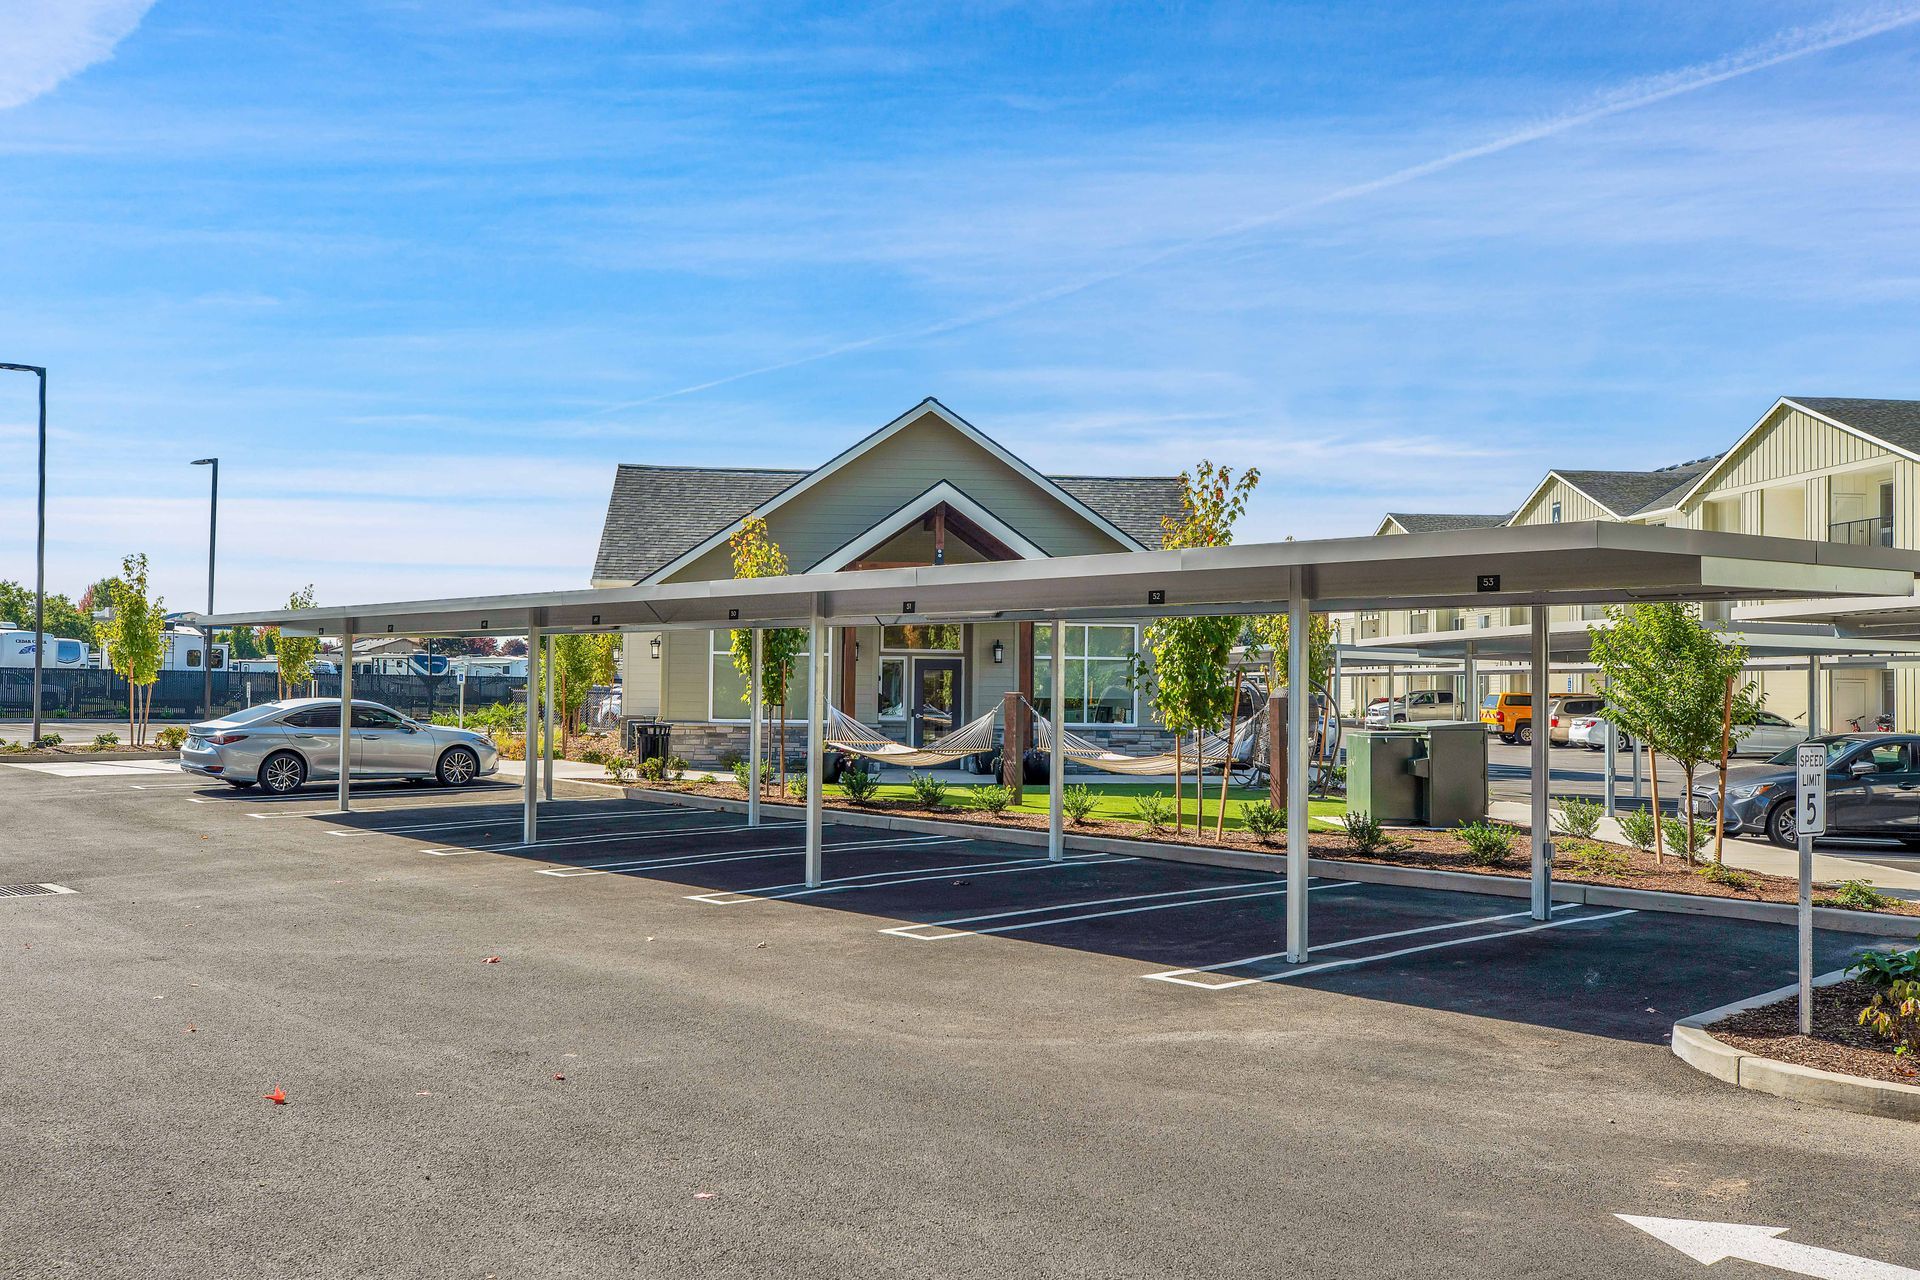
1873	789
283	745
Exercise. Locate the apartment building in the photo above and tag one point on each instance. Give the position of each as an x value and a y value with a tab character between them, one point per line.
1814	467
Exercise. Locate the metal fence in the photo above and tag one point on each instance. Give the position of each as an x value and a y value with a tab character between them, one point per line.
177	695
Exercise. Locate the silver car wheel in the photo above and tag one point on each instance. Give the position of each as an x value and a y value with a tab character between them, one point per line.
458	767
282	773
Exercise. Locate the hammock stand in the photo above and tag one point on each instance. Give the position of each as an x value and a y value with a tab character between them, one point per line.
844	733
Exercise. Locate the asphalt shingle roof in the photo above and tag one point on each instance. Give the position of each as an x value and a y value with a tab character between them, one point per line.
1895	421
656	514
1437	522
1626	492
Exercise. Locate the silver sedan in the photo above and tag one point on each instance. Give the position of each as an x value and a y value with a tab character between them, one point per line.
281	746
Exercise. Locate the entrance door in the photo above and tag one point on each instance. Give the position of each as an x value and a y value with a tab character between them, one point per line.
936	701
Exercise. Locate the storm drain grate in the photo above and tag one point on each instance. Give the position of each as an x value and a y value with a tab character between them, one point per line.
31	890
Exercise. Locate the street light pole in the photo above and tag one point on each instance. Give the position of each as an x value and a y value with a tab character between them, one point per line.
39	552
206	632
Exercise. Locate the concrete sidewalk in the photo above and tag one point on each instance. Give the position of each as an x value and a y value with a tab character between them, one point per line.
1755	855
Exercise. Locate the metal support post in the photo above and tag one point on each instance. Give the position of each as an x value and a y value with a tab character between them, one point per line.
1613	766
546	745
1542	770
530	756
816	754
1299	709
346	718
756	749
1804	928
1057	752
1813	695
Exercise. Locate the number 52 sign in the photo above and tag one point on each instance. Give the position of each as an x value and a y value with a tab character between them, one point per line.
1810	792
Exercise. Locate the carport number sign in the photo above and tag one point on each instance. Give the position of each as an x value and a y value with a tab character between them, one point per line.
1487	582
1810	761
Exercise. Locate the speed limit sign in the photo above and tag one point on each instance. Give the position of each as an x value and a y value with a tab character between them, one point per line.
1810	793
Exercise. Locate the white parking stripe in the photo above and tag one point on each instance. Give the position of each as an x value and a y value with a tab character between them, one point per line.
734	897
615	836
1215	895
616	816
733	855
1287	975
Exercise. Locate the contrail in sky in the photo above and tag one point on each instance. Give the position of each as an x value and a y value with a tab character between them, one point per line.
1788	46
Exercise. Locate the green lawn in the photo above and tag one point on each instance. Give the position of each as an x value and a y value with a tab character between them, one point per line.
1116	799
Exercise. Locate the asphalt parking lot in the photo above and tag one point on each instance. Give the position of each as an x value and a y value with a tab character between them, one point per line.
951	1058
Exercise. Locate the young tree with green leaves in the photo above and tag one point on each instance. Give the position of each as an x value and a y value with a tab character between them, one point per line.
579	663
1190	683
757	555
295	654
134	637
1668	675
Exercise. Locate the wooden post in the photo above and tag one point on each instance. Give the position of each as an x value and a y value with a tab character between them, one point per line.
1013	727
1653	774
1276	751
1023	670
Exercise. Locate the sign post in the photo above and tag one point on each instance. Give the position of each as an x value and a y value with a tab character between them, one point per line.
460	679
1810	820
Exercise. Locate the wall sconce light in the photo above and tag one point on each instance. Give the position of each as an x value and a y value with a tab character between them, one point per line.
999	653
653	648
856	651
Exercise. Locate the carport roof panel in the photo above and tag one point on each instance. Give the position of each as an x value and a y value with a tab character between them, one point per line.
1536	564
1571	641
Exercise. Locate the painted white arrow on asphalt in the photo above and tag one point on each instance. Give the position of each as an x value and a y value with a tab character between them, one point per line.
1709	1242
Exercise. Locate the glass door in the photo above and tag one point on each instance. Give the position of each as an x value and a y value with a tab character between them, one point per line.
936	699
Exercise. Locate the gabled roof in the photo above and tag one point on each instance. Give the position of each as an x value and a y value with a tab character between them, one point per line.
1435	522
1628	493
659	517
1894	424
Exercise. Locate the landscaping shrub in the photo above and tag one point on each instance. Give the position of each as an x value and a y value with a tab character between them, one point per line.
171	738
993	798
731	758
1600	859
1638	826
1675	830
929	791
1578	818
675	769
1078	802
105	741
652	769
1861	896
1263	820
1489	844
45	741
859	785
742	776
595	755
617	766
1154	810
1719	873
1894	1012
12	748
797	786
1364	832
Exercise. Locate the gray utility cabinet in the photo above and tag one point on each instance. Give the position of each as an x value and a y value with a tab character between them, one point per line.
1432	773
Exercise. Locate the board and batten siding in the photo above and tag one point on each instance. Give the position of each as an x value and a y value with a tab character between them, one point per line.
1793	446
1574	506
874	486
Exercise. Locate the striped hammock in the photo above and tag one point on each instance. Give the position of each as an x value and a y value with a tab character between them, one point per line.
844	733
1216	749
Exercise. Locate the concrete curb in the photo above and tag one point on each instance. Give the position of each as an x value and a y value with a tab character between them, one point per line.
1594	895
1694	1045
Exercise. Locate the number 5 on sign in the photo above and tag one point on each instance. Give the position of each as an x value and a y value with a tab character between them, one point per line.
1810	760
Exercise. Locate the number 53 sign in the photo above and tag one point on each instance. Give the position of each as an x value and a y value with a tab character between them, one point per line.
1810	793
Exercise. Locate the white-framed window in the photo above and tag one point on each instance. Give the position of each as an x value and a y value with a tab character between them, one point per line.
1098	660
1555	517
727	688
893	688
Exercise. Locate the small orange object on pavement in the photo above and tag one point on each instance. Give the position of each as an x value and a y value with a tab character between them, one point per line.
278	1097
491	960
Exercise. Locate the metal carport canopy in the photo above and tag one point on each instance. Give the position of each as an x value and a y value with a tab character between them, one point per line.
1589	562
1530	565
1571	642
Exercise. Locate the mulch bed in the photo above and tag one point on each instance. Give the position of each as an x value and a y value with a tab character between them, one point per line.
1409	847
1838	1043
81	751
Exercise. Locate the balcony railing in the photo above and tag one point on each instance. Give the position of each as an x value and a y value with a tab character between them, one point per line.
1870	532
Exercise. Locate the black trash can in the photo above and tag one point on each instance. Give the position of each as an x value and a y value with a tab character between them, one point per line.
649	740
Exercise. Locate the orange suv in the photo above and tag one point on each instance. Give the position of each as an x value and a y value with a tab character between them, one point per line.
1510	715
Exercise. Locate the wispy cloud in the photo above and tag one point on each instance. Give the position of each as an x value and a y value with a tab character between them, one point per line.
49	41
1784	47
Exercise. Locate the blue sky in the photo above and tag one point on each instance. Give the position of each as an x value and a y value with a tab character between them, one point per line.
422	273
